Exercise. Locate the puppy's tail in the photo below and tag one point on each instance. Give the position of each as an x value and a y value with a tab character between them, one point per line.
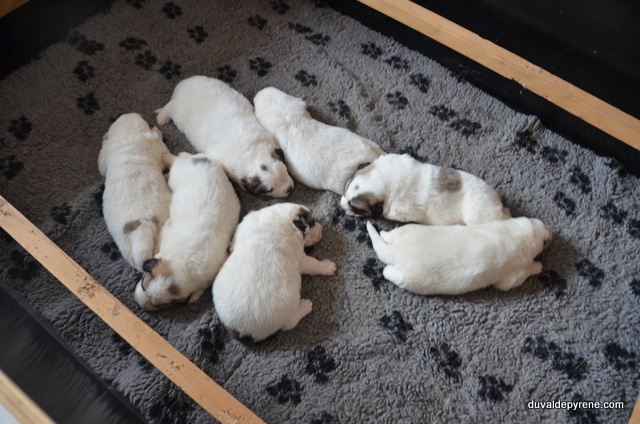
378	243
141	237
163	116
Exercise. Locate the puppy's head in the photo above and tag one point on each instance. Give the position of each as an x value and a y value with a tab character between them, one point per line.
158	289
542	234
363	193
268	175
274	107
304	222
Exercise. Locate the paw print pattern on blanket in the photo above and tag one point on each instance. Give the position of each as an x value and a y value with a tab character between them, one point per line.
84	71
83	44
592	273
286	390
212	342
198	34
620	358
319	364
306	79
493	388
88	104
172	11
395	324
372	269
371	49
340	108
561	360
421	81
398	63
324	418
280	7
552	280
132	43
22	266
20	127
226	73
448	360
260	65
111	250
61	213
10	167
612	212
170	69
172	408
397	100
635	286
258	22
565	203
146	60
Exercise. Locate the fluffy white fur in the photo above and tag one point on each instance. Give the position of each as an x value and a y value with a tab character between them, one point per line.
403	189
136	196
318	155
204	214
457	259
257	291
219	122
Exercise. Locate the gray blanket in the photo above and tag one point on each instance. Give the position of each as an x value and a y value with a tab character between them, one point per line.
369	351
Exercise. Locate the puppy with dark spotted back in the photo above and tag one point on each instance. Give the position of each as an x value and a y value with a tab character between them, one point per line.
400	188
203	215
219	122
257	291
136	196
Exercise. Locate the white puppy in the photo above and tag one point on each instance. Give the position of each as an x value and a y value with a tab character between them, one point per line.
318	155
457	259
257	291
219	121
194	241
401	188
136	196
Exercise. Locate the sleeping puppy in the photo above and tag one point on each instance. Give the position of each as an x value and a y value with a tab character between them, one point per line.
257	291
318	155
219	122
204	214
136	196
457	259
403	189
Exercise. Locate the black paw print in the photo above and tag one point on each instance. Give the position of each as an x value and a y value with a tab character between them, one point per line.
111	249
198	33
98	197
123	347
89	104
306	79
10	167
612	212
172	11
83	44
352	224
411	152
22	267
563	361
580	415
492	388
2	143
397	100
565	203
171	409
420	81
552	280
280	6
61	213
371	49
442	112
591	272
372	269
132	43
20	128
319	39
635	287
465	127
319	364
553	155
397	62
260	65
324	418
620	358
285	389
618	167
299	28
527	139
136	3
633	228
227	74
146	60
170	69
580	179
84	71
448	360
212	342
340	108
259	22
145	364
396	325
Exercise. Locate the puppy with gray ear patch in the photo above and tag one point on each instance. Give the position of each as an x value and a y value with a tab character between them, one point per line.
136	196
457	259
320	156
204	214
403	189
219	122
257	291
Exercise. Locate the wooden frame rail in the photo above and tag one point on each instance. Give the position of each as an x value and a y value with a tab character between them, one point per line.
167	359
574	100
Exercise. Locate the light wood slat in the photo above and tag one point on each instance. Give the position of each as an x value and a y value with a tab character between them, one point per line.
8	6
19	404
635	415
193	381
574	100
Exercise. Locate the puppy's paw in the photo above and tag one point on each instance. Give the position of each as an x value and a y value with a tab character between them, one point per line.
304	308
327	267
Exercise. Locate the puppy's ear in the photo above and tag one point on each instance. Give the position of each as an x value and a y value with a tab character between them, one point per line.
304	221
254	185
278	154
367	204
149	264
376	210
363	165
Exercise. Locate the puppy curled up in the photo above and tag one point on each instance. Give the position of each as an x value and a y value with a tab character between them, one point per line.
136	196
204	213
257	291
400	188
318	155
219	122
456	259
